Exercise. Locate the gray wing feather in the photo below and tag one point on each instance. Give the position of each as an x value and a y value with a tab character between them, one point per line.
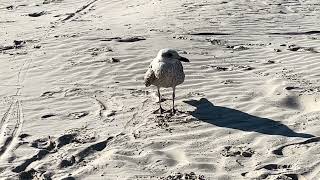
149	77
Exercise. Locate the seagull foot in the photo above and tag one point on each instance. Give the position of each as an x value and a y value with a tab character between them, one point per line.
173	111
159	111
161	100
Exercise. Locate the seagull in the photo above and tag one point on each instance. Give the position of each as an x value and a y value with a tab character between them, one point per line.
166	71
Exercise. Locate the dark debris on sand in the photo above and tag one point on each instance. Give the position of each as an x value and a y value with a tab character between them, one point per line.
131	39
17	44
184	176
37	14
125	39
230	151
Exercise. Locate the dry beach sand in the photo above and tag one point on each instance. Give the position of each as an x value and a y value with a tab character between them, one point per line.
74	106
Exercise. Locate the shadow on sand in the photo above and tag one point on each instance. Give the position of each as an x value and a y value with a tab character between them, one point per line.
231	118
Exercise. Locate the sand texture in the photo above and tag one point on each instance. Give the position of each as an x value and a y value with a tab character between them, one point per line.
73	104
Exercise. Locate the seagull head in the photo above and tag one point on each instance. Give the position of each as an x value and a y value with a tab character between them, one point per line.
171	54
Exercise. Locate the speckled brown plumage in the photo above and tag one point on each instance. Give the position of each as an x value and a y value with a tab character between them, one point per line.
165	70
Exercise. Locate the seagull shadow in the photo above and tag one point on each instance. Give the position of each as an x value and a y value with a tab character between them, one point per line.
231	118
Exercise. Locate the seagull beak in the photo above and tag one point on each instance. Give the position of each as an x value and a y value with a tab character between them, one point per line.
183	59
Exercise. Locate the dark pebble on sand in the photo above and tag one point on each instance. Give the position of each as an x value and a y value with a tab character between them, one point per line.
9	7
293	48
114	60
37	14
47	116
270	62
247	154
290	88
24	135
244	174
18	42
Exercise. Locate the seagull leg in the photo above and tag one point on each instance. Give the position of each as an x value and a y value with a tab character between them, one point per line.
173	96
159	95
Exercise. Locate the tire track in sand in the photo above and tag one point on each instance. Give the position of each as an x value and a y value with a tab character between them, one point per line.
11	127
79	10
12	120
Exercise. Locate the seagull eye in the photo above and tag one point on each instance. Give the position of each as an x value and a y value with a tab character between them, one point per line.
169	55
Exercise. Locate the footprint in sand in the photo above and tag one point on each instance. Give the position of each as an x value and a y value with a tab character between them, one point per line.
272	171
49	94
84	153
279	93
232	151
283	150
78	115
50	145
181	176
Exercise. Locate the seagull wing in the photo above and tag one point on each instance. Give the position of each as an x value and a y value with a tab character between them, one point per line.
149	77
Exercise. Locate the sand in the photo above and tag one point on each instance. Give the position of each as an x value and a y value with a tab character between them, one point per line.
74	106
